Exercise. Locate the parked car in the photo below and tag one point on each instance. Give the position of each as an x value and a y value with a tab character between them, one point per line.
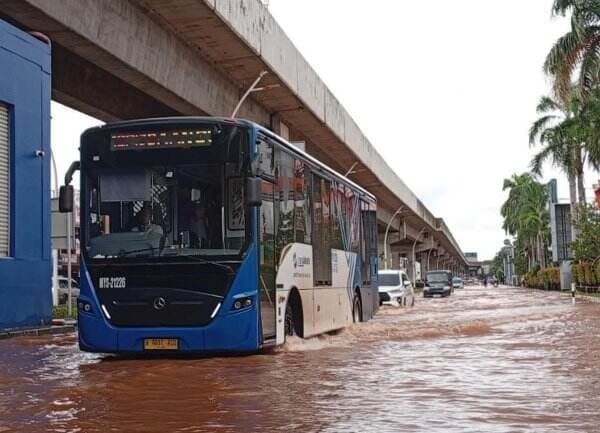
63	289
438	284
395	288
458	283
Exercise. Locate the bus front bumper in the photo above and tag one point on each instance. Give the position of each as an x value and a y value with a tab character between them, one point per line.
232	332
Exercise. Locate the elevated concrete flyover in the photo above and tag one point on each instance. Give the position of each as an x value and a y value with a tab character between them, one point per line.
141	58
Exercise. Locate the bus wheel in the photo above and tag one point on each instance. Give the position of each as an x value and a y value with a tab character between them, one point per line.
356	309
290	329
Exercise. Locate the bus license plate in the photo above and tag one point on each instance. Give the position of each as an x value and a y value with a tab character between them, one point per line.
161	344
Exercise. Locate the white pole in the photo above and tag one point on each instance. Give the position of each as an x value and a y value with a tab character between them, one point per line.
69	246
350	169
414	257
55	173
428	253
250	89
387	229
55	277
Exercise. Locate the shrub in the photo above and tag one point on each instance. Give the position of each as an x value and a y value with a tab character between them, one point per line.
547	278
577	273
587	222
586	273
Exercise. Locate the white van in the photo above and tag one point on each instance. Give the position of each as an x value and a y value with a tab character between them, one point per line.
395	288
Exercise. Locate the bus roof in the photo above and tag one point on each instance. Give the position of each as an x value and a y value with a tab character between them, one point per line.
228	121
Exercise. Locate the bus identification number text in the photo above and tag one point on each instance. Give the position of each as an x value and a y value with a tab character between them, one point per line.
112	282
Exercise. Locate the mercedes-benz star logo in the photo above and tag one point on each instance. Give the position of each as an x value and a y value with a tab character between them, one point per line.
159	303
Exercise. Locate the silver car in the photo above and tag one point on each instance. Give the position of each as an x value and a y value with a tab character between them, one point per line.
63	290
395	288
458	283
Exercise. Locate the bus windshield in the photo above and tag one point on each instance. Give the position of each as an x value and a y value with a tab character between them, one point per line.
141	206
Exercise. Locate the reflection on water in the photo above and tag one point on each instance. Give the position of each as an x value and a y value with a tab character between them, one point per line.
497	360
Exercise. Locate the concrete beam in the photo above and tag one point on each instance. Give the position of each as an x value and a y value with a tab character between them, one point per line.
124	41
75	84
384	216
426	245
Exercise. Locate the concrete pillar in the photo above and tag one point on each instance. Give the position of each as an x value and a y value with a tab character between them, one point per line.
279	127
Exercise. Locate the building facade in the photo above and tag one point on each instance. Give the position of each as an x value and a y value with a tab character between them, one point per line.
25	267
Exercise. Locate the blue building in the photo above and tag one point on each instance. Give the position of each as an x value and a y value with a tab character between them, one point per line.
25	262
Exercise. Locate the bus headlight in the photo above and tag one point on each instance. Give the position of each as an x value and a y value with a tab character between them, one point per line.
241	303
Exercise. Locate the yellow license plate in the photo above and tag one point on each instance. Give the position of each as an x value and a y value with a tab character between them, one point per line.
161	344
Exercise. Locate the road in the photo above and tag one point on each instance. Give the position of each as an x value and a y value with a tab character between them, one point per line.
484	360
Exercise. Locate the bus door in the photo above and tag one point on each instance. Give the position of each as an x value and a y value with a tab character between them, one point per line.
267	260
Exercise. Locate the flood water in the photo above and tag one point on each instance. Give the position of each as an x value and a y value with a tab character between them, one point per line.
495	360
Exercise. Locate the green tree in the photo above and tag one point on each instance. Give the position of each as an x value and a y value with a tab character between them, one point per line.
578	51
526	216
575	57
554	130
587	244
589	129
570	138
498	266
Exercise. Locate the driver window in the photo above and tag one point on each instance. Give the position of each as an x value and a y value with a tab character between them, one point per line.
266	160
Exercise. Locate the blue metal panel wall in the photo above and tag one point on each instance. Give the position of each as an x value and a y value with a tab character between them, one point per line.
25	295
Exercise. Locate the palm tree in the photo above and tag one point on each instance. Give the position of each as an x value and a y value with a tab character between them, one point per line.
516	186
590	128
526	217
577	50
554	131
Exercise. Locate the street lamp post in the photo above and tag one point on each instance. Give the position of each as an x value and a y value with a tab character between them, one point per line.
428	254
385	237
414	258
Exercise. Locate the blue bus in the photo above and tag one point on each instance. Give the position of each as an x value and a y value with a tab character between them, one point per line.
203	234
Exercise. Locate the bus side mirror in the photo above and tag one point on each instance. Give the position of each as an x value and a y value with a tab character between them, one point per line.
253	191
65	199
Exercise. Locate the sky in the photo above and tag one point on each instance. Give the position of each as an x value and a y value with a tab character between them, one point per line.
445	91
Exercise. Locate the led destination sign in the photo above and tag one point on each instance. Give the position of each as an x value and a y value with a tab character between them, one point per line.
196	137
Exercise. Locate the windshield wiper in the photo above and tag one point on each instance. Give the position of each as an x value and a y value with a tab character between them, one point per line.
126	253
193	258
211	262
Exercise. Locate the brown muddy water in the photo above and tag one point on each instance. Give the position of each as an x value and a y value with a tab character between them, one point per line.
495	360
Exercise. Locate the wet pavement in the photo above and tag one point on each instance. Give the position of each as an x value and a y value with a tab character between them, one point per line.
495	360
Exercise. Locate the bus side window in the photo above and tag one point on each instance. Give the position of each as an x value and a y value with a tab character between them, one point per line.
337	201
364	257
322	230
353	217
308	199
372	242
266	157
326	239
285	192
300	214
